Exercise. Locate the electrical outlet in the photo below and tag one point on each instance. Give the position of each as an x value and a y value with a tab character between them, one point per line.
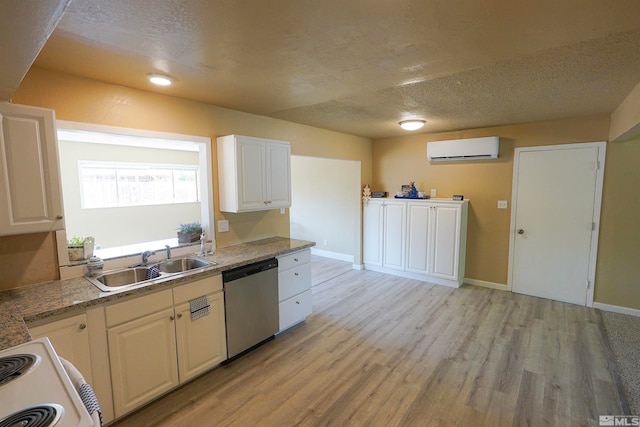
433	192
223	226
502	204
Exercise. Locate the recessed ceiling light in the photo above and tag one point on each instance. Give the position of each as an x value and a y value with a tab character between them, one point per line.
413	124
160	79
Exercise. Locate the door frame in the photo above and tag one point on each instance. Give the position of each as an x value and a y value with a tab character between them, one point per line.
597	202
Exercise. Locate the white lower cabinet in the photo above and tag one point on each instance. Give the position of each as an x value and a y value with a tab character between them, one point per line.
294	288
425	239
70	339
154	344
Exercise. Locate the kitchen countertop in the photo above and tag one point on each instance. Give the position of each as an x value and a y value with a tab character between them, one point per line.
51	299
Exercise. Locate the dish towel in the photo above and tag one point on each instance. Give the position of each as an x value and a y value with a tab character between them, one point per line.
199	307
85	392
152	273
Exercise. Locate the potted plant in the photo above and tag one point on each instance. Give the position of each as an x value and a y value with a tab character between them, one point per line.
75	246
189	232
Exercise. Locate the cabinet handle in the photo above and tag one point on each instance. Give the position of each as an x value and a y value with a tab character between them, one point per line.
59	217
172	318
295	274
82	326
179	315
295	259
297	302
520	231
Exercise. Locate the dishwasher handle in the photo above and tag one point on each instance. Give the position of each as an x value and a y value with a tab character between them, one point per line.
249	270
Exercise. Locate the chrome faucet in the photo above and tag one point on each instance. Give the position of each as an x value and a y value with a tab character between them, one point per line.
168	252
145	256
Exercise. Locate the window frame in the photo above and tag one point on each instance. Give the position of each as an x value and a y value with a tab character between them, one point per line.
204	147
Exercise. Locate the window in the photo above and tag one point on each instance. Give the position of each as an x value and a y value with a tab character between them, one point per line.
117	184
130	189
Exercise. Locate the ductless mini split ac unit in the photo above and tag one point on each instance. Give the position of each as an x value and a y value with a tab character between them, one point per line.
464	149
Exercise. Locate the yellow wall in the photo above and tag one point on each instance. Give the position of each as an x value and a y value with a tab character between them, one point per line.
618	269
89	101
398	161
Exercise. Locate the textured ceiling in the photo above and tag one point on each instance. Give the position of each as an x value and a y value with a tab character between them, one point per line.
360	66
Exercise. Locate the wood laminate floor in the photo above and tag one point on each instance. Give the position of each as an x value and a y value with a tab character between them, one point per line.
381	350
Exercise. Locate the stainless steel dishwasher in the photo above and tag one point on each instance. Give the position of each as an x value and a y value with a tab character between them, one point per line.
251	305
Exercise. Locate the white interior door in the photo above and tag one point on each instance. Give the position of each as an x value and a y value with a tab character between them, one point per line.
554	221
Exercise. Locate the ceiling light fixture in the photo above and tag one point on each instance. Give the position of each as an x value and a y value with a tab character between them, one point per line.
413	124
160	79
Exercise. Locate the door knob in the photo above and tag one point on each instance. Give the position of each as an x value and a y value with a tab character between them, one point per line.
520	231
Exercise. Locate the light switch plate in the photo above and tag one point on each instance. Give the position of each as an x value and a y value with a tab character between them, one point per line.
223	226
502	204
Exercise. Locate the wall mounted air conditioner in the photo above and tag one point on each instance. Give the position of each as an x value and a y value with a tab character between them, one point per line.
464	149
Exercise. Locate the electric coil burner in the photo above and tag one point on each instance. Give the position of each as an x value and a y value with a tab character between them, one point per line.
35	416
11	367
35	390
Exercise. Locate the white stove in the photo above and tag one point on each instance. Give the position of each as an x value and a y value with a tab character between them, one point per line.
35	390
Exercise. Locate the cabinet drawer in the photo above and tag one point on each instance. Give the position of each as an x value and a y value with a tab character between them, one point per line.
197	289
291	260
138	307
295	309
294	281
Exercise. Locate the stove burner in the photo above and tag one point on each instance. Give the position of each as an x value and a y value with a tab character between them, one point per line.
34	416
11	367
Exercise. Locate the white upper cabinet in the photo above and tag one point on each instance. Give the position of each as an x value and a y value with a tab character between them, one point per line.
254	174
30	194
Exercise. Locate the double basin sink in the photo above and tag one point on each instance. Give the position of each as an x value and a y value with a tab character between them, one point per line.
127	277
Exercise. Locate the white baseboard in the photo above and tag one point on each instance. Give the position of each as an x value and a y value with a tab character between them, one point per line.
411	275
485	284
358	266
332	255
617	309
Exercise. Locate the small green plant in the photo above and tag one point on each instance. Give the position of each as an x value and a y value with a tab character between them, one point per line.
75	241
190	227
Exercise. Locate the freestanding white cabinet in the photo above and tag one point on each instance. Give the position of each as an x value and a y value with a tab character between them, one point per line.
253	174
428	243
30	194
385	233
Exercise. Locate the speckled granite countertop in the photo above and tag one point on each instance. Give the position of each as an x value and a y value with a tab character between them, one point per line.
51	299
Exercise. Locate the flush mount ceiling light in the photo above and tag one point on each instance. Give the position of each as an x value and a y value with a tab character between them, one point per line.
413	124
160	79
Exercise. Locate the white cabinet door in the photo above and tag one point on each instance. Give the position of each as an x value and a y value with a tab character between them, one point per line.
372	224
143	360
70	339
278	175
253	174
30	195
201	342
394	235
446	241
418	237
